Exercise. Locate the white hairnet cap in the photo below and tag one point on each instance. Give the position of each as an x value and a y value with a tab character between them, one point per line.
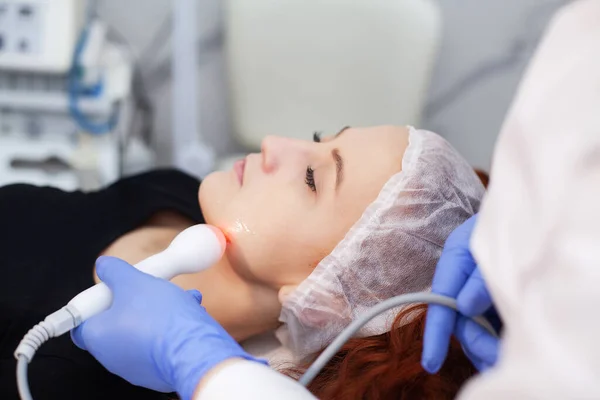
392	249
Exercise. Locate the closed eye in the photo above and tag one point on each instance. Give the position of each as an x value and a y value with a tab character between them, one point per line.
310	179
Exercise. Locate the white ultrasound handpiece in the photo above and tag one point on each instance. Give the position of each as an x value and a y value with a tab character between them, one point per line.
195	249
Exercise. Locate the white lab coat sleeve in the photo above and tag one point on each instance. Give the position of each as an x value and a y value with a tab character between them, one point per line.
247	380
537	239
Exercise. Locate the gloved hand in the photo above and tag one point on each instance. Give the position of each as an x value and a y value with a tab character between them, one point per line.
155	334
458	276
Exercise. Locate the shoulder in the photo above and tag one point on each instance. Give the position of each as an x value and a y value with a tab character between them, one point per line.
161	177
28	211
158	184
21	193
155	178
156	191
142	194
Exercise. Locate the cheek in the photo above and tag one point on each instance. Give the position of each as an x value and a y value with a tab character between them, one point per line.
258	236
263	211
277	235
299	250
277	247
303	257
254	225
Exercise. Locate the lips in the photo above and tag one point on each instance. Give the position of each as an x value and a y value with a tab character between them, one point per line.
239	167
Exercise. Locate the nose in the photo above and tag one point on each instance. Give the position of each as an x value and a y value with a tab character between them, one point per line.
276	150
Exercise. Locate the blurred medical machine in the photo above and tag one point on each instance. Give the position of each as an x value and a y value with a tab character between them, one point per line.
67	98
64	95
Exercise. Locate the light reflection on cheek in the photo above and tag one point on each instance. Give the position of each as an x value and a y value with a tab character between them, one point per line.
239	227
236	230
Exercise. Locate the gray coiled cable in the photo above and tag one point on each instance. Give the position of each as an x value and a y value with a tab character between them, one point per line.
421	297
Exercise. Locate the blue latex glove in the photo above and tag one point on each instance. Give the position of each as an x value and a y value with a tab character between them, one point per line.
155	334
458	276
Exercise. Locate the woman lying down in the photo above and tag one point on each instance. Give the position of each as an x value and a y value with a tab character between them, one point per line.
321	230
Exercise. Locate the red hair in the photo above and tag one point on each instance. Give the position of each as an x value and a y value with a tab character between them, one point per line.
483	176
388	366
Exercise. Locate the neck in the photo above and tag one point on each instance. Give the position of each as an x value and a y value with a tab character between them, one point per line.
243	308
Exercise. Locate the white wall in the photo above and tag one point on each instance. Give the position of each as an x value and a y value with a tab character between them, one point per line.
486	46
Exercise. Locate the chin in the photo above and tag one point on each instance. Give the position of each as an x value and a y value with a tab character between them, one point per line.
214	194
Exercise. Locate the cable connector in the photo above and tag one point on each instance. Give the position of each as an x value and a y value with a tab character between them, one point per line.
33	340
54	325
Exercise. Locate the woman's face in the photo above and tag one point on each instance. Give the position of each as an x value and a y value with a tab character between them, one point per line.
288	206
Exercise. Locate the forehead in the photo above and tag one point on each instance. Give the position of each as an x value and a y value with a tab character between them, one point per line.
371	156
382	147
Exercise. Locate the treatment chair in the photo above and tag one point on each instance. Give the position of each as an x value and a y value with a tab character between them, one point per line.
299	66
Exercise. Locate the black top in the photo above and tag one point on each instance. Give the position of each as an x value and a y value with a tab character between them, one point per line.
49	243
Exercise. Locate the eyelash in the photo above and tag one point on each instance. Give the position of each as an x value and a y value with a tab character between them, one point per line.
310	173
310	179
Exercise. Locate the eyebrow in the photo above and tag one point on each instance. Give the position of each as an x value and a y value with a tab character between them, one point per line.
339	167
338	160
341	131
